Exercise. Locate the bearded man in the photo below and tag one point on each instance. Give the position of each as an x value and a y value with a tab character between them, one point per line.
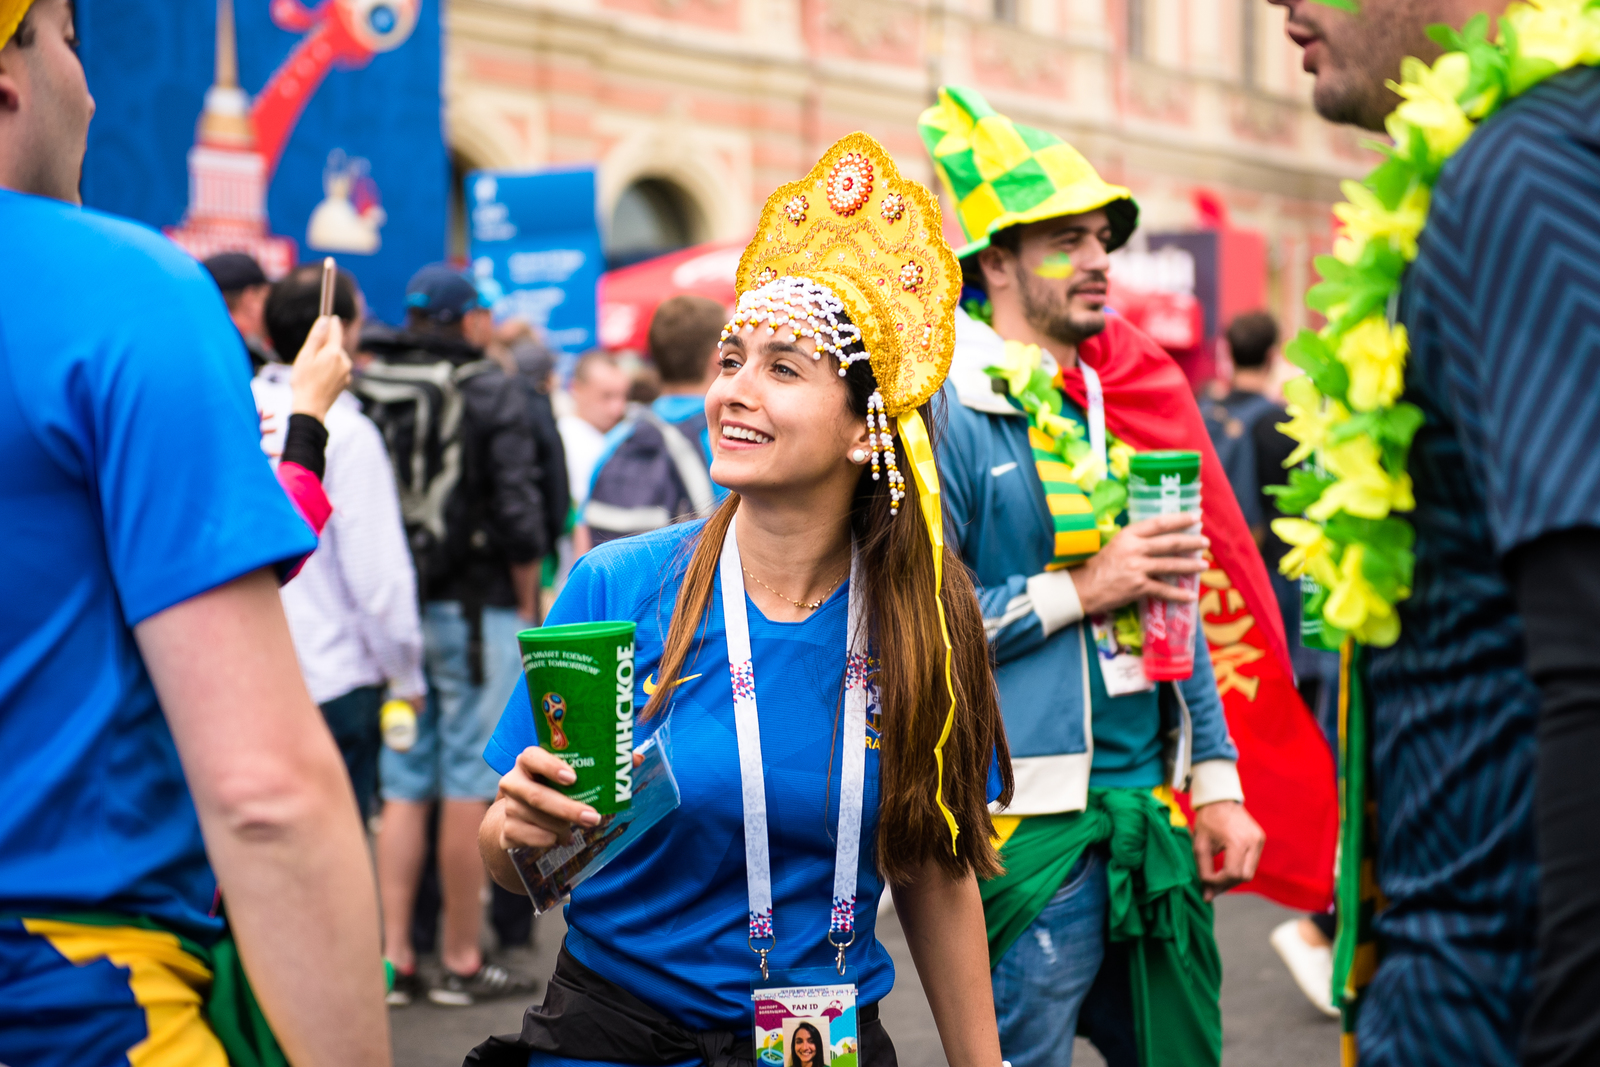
1485	715
1098	750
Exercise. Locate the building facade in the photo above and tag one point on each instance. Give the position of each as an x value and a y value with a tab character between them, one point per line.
695	110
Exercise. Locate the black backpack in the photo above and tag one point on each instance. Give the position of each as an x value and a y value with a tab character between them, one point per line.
418	408
1231	428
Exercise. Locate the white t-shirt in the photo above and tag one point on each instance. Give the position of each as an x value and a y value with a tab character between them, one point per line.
352	609
583	444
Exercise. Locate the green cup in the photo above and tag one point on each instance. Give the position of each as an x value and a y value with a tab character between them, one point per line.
1163	483
1163	470
1312	631
580	685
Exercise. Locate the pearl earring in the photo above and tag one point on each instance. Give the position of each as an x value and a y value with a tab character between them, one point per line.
859	456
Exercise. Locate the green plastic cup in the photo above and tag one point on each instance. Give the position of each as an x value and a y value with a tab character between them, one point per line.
1313	633
1163	470
1167	483
580	685
1163	483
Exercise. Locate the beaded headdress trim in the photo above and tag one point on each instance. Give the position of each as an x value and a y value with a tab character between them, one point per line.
873	239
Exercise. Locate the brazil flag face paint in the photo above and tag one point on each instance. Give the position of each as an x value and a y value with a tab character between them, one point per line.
1056	265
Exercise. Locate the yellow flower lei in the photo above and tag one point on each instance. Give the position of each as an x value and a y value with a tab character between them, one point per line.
1346	414
1021	367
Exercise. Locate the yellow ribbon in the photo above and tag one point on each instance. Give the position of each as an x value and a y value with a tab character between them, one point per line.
914	435
11	12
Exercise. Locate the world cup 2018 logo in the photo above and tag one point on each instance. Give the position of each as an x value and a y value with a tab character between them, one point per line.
555	709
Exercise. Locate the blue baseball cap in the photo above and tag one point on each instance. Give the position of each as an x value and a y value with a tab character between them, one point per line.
443	293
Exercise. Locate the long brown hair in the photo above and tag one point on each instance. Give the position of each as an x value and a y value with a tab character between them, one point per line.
903	629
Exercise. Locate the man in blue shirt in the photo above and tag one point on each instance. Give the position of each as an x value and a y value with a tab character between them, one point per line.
654	469
1485	714
158	743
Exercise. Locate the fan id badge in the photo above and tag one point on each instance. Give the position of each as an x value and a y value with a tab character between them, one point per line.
806	1016
1118	645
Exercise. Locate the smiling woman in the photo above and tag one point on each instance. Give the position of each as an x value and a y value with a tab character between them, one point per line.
857	672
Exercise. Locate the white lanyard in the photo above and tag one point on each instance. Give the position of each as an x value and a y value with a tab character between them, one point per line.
852	777
1097	415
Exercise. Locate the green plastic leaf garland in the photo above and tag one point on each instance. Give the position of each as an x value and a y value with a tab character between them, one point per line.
1345	413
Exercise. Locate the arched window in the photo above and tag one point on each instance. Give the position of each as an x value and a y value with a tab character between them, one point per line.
652	216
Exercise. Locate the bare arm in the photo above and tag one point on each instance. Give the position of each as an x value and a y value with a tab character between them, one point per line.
321	370
278	816
943	921
1225	827
582	540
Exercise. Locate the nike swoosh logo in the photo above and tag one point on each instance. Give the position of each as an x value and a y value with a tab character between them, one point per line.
1004	468
650	686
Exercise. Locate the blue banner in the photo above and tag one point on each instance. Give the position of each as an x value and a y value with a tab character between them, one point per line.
535	249
287	130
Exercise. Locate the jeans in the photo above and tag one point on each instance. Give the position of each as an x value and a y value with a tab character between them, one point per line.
1045	987
353	721
447	759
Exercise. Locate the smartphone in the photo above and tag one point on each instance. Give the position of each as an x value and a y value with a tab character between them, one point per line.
329	274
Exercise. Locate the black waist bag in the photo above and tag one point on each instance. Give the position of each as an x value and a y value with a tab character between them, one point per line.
586	1017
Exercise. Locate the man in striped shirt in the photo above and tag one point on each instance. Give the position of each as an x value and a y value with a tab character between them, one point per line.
1486	713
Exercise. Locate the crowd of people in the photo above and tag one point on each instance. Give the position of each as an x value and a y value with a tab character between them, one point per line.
268	737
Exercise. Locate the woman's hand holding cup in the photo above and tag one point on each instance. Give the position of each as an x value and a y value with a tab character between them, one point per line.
536	815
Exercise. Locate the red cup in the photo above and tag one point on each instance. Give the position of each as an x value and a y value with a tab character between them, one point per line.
1169	632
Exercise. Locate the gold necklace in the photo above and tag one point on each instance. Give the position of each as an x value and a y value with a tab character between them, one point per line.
802	604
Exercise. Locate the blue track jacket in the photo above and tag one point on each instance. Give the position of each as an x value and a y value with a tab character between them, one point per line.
1001	526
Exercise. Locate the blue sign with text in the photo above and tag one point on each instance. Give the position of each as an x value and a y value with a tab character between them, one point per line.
535	250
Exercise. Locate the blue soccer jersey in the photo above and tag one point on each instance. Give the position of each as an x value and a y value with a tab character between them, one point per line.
667	919
133	479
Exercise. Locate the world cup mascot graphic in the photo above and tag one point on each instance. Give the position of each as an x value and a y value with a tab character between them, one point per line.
555	709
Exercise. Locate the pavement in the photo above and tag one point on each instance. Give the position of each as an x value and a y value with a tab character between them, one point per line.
1265	1020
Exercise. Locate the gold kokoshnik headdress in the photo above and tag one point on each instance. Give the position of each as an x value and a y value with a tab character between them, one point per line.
854	236
11	12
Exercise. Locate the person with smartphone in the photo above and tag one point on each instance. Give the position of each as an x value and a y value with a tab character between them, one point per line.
352	610
816	653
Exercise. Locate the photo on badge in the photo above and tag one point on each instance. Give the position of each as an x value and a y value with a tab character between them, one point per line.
805	1025
806	1041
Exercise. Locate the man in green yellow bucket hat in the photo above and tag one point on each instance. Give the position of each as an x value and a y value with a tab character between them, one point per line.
1102	922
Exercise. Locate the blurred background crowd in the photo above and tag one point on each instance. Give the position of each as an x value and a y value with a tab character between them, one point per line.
533	286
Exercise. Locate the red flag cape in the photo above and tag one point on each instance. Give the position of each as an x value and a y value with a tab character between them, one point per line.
1284	762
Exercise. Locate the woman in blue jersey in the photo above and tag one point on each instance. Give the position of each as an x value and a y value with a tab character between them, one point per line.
820	657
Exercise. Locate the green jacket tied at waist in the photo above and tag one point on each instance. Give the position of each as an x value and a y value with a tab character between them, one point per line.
1157	914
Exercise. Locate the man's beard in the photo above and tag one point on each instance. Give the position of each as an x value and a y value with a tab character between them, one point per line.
1368	56
1049	311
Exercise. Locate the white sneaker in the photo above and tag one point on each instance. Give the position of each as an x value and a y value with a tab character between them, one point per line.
1312	966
